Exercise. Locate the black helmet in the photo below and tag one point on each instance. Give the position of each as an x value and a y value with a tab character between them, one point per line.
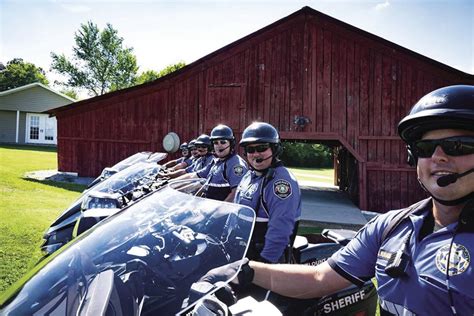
203	140
222	131
448	107
260	132
184	146
192	144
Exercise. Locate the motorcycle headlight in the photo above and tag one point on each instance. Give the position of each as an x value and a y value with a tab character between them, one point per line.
101	200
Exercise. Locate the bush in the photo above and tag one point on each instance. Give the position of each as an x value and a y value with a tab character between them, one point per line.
307	155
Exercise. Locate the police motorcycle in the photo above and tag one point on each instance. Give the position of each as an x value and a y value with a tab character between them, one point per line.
142	260
102	200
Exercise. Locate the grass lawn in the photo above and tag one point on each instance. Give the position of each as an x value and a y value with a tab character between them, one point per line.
325	175
27	207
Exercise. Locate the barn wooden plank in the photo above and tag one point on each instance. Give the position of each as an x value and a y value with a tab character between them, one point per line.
306	109
335	104
272	53
377	92
262	69
311	77
326	113
284	85
355	120
320	66
386	95
341	104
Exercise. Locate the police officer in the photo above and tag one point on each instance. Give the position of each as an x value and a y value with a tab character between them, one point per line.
185	157
421	256
271	190
204	157
225	172
193	156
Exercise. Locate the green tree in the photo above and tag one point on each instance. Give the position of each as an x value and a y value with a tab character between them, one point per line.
151	75
100	62
18	73
298	154
70	93
147	76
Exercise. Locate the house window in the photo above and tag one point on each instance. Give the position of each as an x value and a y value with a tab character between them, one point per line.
34	127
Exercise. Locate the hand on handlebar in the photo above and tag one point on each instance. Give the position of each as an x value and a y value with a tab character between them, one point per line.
228	271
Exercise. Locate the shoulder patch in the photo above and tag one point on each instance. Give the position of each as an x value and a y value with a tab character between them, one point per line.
238	170
282	189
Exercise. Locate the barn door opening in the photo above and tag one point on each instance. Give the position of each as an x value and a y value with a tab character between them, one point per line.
327	175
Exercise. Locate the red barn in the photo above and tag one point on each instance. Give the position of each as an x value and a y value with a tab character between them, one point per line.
353	86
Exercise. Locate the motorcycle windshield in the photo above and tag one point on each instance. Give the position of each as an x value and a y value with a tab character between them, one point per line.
139	157
123	181
126	180
141	261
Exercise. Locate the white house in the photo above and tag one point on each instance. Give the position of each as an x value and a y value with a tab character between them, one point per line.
21	117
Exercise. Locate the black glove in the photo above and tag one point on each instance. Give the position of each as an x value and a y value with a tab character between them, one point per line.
226	272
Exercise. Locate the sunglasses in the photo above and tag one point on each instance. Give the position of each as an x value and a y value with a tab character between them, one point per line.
201	147
217	142
452	146
259	148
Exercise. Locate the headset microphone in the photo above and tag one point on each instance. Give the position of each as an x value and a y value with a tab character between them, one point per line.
259	160
451	178
222	149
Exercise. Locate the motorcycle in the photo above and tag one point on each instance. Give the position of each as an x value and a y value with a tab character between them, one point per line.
149	257
105	197
140	261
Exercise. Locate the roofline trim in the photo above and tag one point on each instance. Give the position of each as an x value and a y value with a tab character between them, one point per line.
31	85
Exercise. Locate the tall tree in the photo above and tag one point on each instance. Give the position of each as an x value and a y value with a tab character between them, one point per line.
18	73
100	62
151	75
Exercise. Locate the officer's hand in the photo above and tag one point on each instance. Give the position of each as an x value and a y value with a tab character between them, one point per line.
224	273
228	271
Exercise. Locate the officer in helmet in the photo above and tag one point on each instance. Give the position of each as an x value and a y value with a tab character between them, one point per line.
271	190
422	256
225	172
204	157
185	157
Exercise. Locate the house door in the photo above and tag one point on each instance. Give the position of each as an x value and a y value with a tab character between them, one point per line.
40	129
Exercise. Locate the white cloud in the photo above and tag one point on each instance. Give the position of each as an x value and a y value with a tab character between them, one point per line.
382	6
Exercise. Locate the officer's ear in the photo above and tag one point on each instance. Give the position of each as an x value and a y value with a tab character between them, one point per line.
412	159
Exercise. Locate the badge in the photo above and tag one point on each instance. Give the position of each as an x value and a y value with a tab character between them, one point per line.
282	189
459	259
238	170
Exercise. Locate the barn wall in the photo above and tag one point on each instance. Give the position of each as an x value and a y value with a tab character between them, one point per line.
353	87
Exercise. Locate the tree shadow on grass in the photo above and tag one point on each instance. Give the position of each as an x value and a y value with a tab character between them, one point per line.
63	185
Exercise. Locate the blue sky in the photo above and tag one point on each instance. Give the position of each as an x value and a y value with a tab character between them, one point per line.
165	32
